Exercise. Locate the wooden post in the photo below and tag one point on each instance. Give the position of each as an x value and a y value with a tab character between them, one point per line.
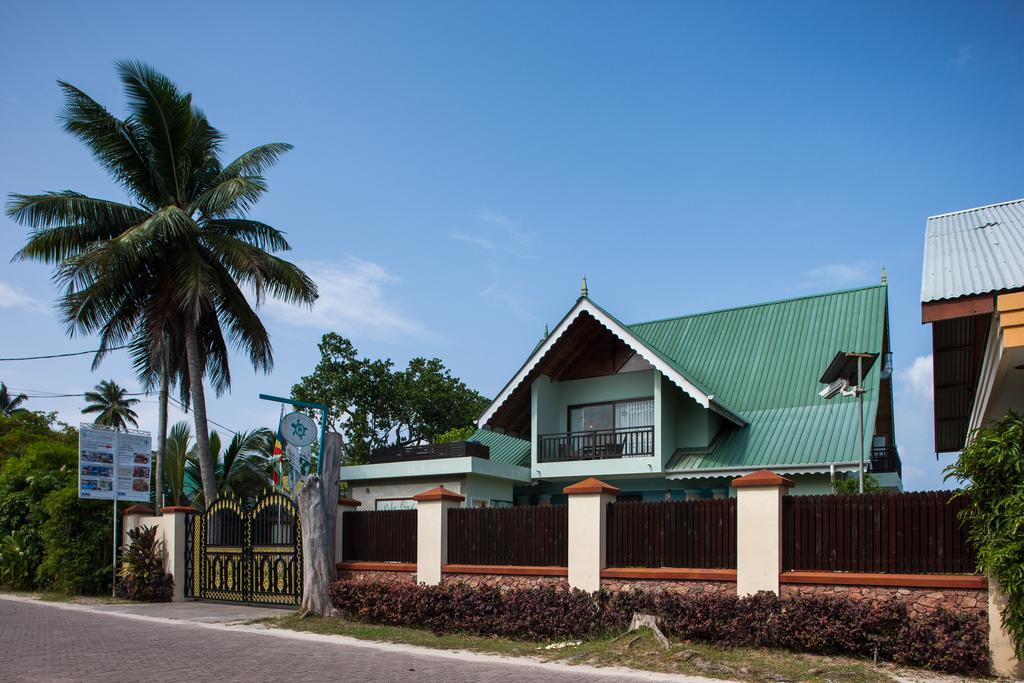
318	511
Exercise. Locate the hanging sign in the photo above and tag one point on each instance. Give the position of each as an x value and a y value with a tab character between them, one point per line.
298	429
113	464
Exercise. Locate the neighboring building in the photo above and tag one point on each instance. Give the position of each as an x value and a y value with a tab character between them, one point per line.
972	294
672	409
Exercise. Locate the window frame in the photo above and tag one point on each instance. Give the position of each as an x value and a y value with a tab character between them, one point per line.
613	404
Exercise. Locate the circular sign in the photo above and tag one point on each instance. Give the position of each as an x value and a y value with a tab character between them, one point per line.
298	429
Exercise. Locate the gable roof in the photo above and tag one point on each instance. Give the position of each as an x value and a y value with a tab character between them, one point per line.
759	366
667	366
974	251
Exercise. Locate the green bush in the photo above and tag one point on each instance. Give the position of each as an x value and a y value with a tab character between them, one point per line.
76	544
16	563
142	576
455	434
991	470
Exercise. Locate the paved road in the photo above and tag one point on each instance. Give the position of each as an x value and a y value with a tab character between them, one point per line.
42	642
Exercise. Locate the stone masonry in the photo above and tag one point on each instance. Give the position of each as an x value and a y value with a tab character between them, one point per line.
918	600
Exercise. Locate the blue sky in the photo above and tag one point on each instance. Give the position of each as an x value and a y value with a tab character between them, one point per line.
458	166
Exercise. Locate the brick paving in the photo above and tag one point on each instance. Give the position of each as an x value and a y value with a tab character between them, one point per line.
42	642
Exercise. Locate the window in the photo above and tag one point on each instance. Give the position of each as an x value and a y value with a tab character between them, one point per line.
612	415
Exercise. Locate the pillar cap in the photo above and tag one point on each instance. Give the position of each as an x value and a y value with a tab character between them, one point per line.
179	508
350	502
438	493
590	485
761	478
137	509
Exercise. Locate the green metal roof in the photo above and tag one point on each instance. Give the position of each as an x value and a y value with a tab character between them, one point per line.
505	449
764	361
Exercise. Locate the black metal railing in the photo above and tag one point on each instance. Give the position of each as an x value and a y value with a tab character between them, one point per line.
600	444
430	451
885	459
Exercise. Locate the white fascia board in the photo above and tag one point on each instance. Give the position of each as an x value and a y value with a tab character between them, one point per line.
992	370
781	469
435	467
641	349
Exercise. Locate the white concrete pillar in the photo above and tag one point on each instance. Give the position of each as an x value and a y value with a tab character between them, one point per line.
588	515
172	525
1000	642
432	532
344	504
759	531
131	517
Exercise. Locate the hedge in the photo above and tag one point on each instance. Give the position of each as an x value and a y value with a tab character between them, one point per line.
942	640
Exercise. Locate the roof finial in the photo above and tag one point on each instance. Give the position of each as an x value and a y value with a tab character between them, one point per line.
884	278
583	289
546	333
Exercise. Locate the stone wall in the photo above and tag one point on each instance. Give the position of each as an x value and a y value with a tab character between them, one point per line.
376	575
504	581
918	600
678	587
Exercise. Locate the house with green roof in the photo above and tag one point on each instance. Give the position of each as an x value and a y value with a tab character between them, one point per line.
674	409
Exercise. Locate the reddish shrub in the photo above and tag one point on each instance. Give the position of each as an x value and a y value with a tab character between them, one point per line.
943	640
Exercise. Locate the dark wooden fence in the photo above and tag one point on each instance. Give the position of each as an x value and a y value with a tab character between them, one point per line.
532	536
899	533
700	534
379	536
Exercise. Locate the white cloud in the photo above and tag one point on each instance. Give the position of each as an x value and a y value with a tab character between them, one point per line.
499	232
13	297
917	379
507	298
841	274
964	55
352	301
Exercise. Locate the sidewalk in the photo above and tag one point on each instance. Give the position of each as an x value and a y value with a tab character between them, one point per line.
206	640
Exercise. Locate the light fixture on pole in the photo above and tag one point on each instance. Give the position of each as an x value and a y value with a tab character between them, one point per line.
845	377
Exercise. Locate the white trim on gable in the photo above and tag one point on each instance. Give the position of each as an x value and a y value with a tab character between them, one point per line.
641	349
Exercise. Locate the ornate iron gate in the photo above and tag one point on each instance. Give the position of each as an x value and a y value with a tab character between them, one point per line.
239	554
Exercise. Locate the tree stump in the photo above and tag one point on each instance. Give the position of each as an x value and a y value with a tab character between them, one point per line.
649	621
318	511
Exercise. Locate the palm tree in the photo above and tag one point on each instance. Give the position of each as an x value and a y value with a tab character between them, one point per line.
243	468
182	259
177	459
113	405
10	404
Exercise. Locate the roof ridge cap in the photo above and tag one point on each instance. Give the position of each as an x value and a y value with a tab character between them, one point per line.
976	208
773	302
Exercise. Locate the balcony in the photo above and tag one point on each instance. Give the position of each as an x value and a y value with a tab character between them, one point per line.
432	451
885	459
601	444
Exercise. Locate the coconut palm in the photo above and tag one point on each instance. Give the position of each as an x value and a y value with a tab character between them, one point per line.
177	458
182	258
10	404
112	404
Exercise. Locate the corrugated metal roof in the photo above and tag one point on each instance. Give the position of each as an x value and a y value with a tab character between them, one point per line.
505	449
764	361
974	251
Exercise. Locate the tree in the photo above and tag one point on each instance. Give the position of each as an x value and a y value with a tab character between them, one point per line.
991	470
10	404
851	484
243	467
318	510
182	259
176	460
375	405
112	404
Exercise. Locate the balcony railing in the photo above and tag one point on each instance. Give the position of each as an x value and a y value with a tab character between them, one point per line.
431	451
601	444
885	459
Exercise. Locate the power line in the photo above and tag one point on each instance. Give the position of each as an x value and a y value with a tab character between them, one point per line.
65	355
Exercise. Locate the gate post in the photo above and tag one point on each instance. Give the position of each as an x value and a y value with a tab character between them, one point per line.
432	532
172	528
344	504
588	537
759	531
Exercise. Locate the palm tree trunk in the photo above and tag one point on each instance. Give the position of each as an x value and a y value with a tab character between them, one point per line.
195	376
161	437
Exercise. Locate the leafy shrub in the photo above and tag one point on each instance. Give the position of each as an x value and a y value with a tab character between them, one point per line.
142	576
76	539
942	640
16	562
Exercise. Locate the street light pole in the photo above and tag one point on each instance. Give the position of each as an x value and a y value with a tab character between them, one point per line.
860	419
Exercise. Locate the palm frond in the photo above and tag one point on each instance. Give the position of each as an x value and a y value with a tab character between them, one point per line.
256	160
